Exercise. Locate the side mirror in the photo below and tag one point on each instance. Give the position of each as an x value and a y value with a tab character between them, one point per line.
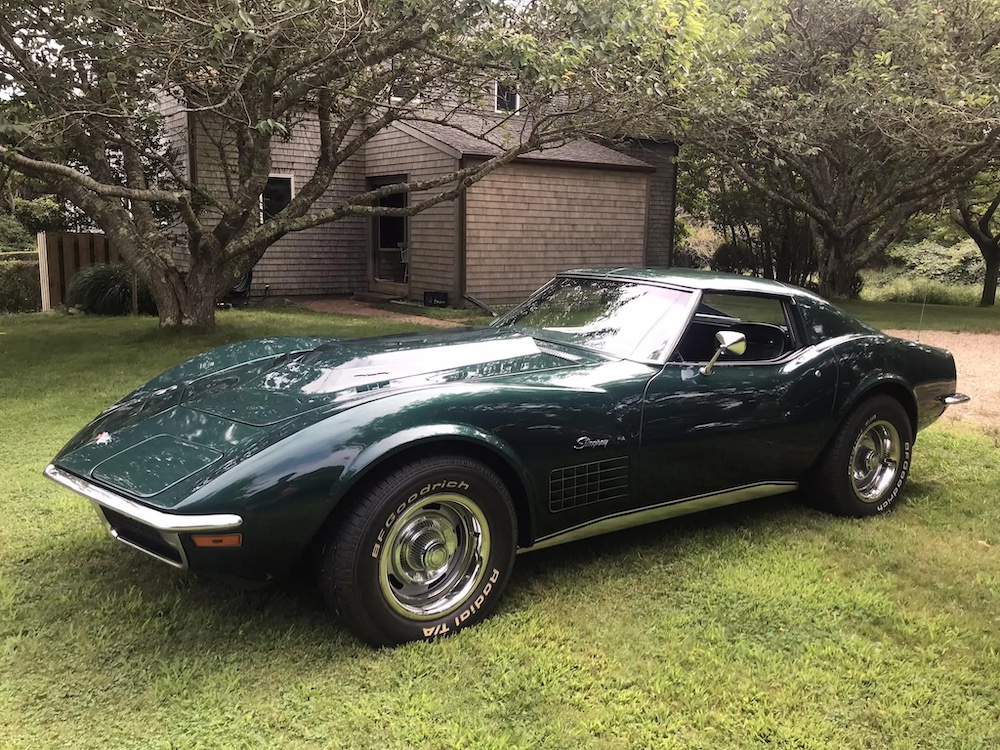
729	341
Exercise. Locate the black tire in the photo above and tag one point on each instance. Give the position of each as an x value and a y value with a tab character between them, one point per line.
425	552
863	470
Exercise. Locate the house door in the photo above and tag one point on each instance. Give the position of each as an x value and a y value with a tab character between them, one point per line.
390	260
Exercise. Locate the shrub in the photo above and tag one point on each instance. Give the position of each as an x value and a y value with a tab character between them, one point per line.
883	287
107	290
20	290
961	263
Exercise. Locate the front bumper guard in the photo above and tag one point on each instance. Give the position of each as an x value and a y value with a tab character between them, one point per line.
169	525
954	398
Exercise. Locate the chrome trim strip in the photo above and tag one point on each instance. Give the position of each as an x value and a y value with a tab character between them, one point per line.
629	518
170	523
954	398
182	565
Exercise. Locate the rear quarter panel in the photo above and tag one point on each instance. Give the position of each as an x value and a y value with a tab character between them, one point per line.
870	362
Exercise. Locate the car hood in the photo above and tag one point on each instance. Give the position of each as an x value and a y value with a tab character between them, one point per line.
159	437
341	371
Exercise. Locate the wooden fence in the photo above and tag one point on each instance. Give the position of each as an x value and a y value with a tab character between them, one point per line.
62	254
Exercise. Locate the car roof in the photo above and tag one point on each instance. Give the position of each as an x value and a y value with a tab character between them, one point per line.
690	278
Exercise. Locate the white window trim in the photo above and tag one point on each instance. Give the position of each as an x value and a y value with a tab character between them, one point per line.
517	99
290	176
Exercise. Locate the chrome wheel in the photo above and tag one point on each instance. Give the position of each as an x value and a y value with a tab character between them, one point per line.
875	461
434	556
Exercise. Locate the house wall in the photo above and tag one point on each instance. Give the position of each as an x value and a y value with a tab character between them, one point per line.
525	223
328	259
175	132
662	201
431	233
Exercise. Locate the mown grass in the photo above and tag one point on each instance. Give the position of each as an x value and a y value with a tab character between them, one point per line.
765	625
907	315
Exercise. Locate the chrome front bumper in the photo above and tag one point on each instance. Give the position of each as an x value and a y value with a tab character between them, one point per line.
169	526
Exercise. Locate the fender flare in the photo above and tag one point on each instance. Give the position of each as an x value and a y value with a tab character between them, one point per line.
385	449
882	381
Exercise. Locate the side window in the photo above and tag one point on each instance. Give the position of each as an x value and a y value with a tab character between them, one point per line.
763	320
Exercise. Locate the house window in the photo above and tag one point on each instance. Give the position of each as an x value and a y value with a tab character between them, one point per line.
277	194
507	98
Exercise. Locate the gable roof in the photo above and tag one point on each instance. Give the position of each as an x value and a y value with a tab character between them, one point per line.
480	135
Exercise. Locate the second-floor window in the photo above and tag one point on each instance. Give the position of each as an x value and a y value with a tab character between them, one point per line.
507	98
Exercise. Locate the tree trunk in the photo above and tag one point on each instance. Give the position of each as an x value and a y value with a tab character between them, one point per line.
837	270
992	257
188	300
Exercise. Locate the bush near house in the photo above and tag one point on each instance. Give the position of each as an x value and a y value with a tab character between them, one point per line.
107	290
20	290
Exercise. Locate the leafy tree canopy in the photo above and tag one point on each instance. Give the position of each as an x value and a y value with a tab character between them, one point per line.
86	82
856	113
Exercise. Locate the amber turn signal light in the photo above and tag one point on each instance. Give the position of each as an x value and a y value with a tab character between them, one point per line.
217	540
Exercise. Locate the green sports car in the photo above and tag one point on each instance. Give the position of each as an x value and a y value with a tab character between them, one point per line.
409	470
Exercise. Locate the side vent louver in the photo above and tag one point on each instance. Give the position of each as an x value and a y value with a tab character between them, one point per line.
583	484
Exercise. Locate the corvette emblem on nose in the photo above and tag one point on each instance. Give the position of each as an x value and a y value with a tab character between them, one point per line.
103	439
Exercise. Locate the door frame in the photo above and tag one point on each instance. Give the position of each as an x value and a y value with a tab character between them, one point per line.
382	286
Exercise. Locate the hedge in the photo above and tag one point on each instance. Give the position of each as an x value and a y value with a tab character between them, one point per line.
20	290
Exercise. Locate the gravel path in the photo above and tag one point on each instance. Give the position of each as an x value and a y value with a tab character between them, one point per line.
977	358
353	307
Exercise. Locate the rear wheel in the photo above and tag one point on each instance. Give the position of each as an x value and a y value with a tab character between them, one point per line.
425	552
866	464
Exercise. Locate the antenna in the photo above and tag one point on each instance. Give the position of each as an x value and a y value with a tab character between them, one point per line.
920	325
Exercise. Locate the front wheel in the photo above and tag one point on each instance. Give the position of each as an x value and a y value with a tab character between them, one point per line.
425	552
866	464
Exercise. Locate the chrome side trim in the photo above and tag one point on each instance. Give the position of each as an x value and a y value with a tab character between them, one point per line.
171	523
954	398
628	519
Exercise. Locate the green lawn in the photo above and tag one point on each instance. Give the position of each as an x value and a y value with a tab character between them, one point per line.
906	315
765	625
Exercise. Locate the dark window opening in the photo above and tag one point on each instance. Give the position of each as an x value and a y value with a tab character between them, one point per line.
391	254
507	99
277	194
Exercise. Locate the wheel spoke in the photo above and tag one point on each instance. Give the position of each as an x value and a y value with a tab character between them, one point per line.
874	463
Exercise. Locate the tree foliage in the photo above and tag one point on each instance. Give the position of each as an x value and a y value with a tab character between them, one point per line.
87	80
759	235
856	113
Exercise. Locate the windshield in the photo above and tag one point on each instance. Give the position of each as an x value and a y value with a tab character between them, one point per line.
623	318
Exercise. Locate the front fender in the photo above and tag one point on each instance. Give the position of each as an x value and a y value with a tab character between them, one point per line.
381	451
414	437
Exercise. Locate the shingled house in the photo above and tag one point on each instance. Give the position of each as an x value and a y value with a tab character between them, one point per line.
578	204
